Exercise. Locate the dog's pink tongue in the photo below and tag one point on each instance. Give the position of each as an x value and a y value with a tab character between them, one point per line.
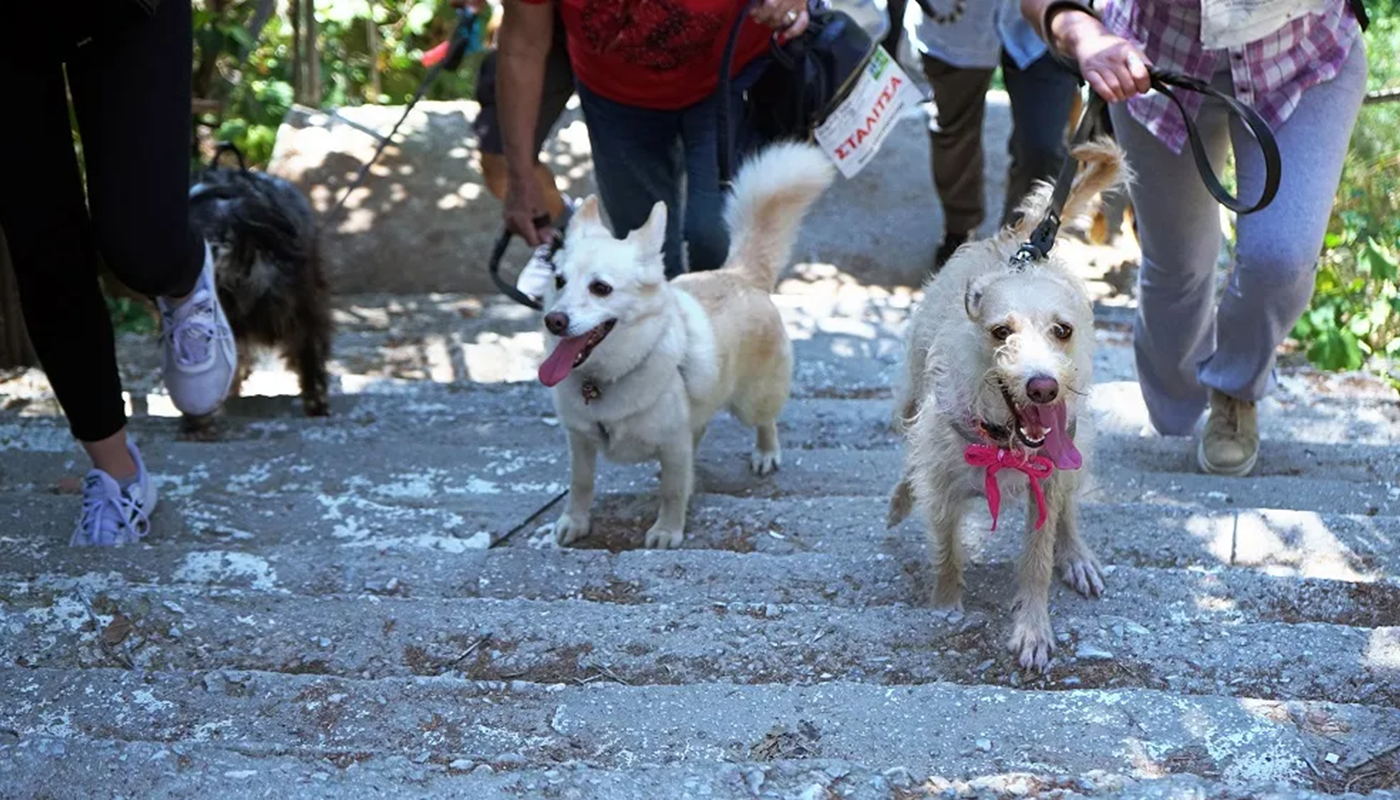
1058	444
561	362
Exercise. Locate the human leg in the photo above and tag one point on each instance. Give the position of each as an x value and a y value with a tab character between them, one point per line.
955	147
131	94
51	248
1278	246
1179	231
1042	96
1275	261
637	163
706	235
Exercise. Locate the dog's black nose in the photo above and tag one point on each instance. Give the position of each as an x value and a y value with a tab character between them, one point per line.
1042	389
557	322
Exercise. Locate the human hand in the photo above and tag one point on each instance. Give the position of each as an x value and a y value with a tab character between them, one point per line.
524	205
1113	66
788	17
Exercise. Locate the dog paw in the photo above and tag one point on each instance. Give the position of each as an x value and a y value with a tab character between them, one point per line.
569	530
1084	575
659	538
1033	643
766	463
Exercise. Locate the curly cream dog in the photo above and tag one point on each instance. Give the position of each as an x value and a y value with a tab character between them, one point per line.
998	367
639	365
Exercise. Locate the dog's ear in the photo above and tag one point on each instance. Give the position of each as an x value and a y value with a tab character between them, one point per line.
972	297
588	215
652	235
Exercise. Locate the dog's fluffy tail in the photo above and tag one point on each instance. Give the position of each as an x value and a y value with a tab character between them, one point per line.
772	194
1103	168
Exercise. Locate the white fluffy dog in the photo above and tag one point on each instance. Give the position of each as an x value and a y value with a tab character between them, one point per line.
999	364
639	365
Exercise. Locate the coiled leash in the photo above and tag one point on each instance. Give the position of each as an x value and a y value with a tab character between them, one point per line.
1037	247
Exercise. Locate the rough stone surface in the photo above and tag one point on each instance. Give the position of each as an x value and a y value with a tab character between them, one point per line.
369	605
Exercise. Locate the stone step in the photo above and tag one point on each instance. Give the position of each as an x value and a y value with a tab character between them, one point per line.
462	414
442	720
457	478
195	629
356	536
857	574
149	769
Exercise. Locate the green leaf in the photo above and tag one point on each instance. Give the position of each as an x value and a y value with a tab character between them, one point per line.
1337	350
1377	262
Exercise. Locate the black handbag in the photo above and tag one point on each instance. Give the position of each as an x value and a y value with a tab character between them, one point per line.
808	78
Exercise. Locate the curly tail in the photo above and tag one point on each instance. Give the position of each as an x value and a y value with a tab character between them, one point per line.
772	193
1103	168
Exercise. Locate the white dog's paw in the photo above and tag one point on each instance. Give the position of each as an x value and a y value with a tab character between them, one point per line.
1083	574
659	538
764	462
1033	643
569	530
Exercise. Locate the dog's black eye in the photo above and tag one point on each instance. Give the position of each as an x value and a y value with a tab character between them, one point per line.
1001	333
1062	331
600	289
559	281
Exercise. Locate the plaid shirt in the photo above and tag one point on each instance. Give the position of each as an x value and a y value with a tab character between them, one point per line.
1269	74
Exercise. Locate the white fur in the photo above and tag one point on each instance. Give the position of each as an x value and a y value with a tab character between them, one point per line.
956	370
680	351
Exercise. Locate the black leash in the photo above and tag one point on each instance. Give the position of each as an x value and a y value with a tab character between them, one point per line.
498	252
1037	247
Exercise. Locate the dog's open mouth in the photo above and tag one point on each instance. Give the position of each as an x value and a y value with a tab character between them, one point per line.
1039	425
571	352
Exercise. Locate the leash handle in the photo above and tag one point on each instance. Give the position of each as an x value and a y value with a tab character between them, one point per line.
498	253
1163	80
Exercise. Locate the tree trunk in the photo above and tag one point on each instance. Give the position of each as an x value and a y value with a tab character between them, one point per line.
306	86
15	350
372	39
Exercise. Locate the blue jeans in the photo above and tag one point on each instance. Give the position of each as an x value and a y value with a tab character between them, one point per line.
643	155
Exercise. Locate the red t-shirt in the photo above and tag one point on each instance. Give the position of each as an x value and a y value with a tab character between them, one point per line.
655	53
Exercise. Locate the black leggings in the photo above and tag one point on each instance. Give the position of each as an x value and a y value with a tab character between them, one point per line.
131	94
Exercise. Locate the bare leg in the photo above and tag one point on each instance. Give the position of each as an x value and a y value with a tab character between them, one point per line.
677	465
583	465
112	457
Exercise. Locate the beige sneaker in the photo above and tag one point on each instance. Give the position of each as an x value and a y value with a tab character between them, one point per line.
1230	442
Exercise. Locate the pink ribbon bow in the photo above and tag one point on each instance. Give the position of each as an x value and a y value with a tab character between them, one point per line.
995	459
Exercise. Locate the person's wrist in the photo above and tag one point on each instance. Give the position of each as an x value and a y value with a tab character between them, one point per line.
1069	27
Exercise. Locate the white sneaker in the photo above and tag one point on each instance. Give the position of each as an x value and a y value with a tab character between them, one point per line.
113	515
200	355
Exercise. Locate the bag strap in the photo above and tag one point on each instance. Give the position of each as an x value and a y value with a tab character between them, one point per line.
725	112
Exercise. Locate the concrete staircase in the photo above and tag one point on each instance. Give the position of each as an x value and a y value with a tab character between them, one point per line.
363	606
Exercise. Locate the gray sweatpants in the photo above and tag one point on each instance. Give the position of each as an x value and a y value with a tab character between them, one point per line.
1185	344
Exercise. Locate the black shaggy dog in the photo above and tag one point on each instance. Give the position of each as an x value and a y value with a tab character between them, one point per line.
263	235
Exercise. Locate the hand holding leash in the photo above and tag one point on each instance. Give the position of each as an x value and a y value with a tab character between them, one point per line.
1112	66
524	216
788	18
